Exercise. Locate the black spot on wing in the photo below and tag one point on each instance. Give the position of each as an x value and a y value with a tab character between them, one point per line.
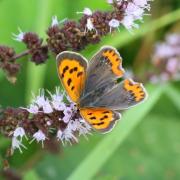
92	117
89	114
79	74
65	69
106	112
71	70
69	81
104	117
98	124
114	54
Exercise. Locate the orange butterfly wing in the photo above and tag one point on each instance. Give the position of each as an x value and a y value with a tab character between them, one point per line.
136	89
71	68
114	60
101	119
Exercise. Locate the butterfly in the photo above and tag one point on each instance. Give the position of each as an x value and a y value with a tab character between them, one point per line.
95	89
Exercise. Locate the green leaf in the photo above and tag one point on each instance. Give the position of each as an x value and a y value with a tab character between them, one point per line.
88	168
36	74
174	95
149	152
31	175
1	75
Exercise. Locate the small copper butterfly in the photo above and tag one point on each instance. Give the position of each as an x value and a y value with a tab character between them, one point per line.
94	87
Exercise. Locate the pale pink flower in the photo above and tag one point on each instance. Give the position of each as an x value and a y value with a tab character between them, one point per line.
55	21
172	65
33	109
113	23
17	144
18	37
47	107
86	11
39	136
19	132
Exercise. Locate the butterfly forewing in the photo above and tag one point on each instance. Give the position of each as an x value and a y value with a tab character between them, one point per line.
101	119
104	68
71	68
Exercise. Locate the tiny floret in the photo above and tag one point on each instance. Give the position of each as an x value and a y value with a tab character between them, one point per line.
112	1
16	144
86	11
128	22
142	3
19	132
59	135
33	109
67	114
90	25
55	21
40	99
134	11
113	23
19	37
68	135
39	136
57	101
47	107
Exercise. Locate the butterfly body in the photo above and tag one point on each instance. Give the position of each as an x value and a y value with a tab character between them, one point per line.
94	88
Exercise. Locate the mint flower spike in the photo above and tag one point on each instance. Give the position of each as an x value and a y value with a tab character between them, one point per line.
73	35
48	116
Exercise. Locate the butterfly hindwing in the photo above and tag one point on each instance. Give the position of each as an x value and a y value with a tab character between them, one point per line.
101	119
104	67
122	96
71	68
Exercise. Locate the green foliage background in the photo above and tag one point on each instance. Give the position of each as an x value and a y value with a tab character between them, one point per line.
144	145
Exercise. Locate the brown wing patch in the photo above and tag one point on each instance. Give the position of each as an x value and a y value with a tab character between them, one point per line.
136	89
101	119
72	70
115	61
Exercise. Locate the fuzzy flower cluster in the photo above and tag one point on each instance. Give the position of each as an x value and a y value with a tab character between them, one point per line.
75	35
133	10
43	119
93	25
10	67
37	52
166	59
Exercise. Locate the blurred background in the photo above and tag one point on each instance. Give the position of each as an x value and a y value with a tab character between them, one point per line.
150	150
